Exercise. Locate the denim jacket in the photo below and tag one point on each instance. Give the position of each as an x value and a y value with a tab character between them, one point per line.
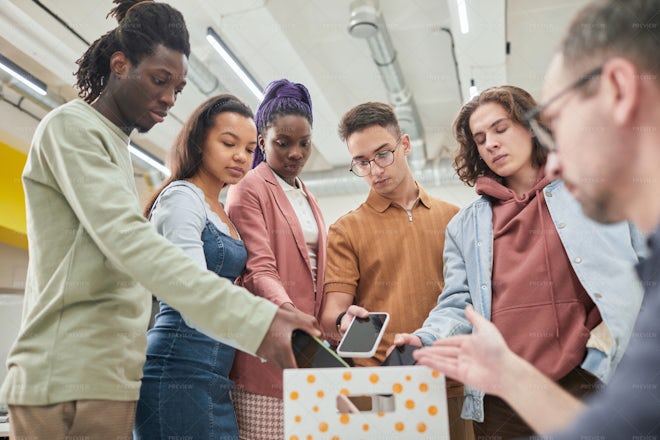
602	257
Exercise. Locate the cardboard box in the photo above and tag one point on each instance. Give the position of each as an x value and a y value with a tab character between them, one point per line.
365	403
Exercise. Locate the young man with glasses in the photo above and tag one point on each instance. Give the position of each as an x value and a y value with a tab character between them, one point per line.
604	129
386	256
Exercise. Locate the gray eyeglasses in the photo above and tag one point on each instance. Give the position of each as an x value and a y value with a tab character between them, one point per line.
542	133
383	159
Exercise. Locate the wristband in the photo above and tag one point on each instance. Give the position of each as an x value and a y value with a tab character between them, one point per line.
338	321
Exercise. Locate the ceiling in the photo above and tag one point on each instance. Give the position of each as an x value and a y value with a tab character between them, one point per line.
305	41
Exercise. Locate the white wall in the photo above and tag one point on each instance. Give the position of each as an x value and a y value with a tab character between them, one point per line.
334	207
11	305
13	268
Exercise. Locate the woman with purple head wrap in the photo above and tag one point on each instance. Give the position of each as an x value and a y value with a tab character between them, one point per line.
282	98
284	232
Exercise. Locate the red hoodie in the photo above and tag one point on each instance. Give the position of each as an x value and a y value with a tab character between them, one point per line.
539	305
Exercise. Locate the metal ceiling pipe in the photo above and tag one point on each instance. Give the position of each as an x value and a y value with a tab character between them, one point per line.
338	181
198	73
202	77
47	102
335	181
367	22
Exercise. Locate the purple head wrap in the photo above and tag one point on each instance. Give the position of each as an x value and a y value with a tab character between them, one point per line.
281	98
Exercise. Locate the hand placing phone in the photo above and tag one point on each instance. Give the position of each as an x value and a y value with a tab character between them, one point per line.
400	355
276	344
311	352
363	335
401	339
348	315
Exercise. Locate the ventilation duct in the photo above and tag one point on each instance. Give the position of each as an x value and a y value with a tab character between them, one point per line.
202	77
51	101
337	181
367	22
47	102
340	181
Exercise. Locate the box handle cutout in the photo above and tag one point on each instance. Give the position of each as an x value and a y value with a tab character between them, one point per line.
378	403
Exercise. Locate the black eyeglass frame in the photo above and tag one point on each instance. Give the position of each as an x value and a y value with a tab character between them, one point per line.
353	162
544	135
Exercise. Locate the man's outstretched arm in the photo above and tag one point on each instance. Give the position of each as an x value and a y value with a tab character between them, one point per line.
482	360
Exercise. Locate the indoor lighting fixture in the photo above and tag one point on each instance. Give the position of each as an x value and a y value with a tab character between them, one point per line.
23	76
233	62
462	16
140	154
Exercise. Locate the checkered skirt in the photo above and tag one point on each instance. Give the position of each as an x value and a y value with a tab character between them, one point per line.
259	417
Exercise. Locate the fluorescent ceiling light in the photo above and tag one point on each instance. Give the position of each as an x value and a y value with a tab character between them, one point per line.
23	76
462	16
140	154
233	62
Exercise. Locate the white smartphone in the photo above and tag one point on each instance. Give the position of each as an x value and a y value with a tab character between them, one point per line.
363	336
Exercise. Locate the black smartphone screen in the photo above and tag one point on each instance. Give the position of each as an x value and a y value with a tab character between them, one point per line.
363	334
401	355
311	352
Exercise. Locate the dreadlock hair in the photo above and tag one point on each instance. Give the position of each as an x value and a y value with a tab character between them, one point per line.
186	152
143	25
281	98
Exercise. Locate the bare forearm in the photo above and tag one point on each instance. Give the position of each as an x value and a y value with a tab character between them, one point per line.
335	303
483	361
544	405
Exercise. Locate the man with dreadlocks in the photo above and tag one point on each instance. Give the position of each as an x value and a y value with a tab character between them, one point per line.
76	366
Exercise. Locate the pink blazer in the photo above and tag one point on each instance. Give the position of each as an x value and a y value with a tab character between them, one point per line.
278	266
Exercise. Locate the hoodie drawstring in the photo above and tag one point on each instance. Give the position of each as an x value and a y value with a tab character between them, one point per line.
539	206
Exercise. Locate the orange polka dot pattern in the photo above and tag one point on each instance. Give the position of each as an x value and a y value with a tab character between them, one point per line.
415	404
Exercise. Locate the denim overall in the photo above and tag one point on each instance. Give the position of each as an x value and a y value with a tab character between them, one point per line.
185	388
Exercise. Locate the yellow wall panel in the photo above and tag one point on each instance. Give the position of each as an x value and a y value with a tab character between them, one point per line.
12	200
